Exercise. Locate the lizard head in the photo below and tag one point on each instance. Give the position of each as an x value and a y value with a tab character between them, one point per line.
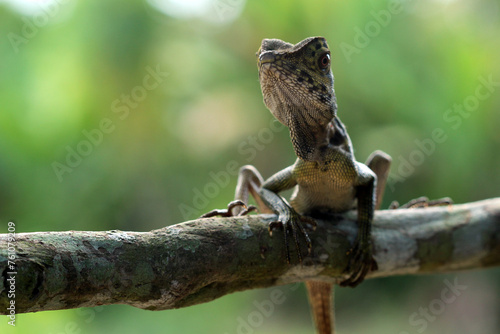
297	85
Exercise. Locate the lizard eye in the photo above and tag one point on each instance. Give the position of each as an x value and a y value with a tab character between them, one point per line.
324	61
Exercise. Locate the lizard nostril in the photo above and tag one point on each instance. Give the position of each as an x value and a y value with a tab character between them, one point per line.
267	57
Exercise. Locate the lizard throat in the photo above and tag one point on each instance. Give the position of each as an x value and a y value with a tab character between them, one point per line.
308	137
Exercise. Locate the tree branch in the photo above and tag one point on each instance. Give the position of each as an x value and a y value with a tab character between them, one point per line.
203	259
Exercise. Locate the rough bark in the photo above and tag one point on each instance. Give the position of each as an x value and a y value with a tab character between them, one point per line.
203	259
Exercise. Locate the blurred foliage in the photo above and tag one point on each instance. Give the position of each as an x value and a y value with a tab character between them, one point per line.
403	69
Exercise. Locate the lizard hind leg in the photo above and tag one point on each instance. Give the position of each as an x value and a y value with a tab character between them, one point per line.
249	182
380	163
245	209
422	202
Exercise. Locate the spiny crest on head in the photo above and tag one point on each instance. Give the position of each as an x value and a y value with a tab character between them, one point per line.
314	43
274	45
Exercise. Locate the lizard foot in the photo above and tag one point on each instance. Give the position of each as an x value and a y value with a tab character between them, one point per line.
360	263
292	221
228	212
422	202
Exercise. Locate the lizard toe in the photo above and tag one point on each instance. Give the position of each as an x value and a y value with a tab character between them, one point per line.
360	263
241	210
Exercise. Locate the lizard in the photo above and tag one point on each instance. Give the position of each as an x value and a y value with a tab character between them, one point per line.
297	86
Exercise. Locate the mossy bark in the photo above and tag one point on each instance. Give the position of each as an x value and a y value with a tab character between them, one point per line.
203	259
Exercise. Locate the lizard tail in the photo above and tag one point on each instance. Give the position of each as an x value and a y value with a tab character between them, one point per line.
321	300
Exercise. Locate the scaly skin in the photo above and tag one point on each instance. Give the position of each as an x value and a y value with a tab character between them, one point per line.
297	85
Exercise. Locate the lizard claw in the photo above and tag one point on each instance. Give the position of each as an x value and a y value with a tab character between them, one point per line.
293	222
310	221
280	224
360	263
247	209
228	212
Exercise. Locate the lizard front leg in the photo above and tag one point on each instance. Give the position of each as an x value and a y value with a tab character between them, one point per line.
288	218
268	200
361	261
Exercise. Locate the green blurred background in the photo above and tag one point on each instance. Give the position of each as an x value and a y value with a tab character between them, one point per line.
404	71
